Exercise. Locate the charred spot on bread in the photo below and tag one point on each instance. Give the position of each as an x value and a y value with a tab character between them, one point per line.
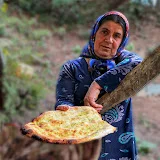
37	137
25	131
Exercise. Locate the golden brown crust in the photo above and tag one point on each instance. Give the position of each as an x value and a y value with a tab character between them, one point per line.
76	125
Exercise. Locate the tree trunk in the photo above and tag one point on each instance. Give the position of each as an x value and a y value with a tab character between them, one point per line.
133	82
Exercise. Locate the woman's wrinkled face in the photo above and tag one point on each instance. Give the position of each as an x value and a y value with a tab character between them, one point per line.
108	39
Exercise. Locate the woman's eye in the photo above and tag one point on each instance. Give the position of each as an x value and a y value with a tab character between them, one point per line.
104	32
117	36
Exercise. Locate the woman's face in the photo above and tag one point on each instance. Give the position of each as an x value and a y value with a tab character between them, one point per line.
108	39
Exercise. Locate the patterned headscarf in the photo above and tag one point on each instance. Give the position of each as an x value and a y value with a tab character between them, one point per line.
88	50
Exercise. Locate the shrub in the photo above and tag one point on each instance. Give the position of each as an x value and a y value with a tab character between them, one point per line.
130	47
25	70
2	30
40	34
145	147
62	12
77	49
22	86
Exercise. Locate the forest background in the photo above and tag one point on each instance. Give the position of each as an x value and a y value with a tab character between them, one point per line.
37	37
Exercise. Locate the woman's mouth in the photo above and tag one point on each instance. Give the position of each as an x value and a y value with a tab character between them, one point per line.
106	48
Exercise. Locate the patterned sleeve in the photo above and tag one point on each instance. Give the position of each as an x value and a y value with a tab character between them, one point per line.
65	86
111	79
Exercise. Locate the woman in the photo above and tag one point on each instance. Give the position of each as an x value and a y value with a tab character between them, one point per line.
102	65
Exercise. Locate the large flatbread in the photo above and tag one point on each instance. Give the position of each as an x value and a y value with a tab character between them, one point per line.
76	125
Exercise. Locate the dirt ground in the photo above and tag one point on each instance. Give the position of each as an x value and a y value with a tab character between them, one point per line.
147	123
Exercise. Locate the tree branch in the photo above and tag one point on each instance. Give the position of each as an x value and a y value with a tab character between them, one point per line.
134	81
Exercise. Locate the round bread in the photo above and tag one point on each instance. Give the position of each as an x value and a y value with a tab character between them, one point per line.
76	125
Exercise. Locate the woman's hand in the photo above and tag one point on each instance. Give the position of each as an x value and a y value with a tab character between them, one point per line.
92	95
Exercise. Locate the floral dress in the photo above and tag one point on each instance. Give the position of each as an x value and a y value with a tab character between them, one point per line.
72	85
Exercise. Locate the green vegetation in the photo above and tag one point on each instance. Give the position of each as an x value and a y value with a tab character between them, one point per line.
26	72
145	122
60	31
145	147
77	49
62	12
40	34
75	12
130	46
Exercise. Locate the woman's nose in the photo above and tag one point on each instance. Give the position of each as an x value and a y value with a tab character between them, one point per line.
109	39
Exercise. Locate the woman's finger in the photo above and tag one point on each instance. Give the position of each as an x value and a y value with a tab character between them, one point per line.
63	108
94	104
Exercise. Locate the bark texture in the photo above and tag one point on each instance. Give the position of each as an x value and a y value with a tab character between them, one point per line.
134	81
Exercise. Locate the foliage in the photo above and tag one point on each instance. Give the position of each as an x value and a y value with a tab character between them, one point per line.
58	3
145	2
4	6
133	11
51	8
83	33
2	30
77	49
25	68
60	31
62	12
40	33
145	147
130	47
73	12
145	122
136	12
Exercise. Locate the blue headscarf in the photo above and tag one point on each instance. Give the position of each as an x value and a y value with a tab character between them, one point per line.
88	50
